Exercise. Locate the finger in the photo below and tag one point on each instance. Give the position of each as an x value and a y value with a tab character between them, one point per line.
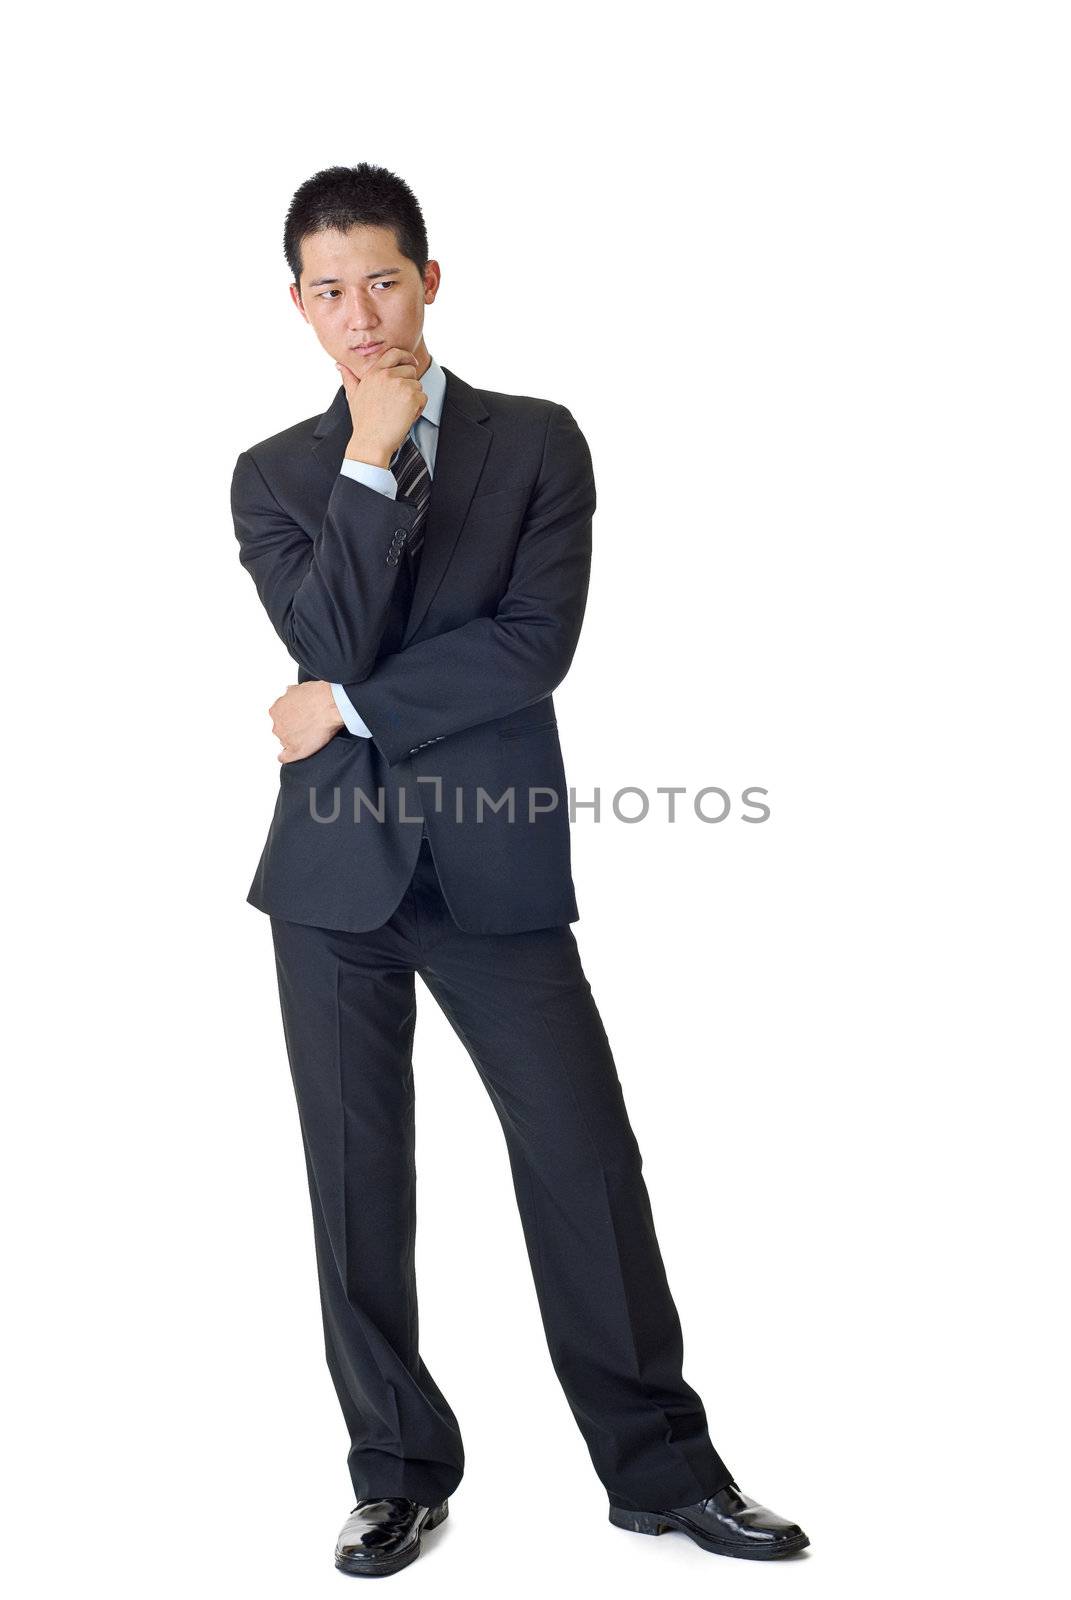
396	357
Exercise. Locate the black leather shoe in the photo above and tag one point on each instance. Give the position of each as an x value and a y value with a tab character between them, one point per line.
382	1536
726	1522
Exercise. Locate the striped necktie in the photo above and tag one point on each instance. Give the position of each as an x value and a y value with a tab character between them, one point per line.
414	484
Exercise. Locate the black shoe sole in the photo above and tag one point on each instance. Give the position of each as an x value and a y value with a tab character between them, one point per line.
666	1522
383	1566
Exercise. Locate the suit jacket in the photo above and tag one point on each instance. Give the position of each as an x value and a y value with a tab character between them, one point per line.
456	686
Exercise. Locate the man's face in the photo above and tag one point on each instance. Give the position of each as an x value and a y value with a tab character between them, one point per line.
358	289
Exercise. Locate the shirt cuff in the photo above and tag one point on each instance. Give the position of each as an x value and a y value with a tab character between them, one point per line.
349	716
381	479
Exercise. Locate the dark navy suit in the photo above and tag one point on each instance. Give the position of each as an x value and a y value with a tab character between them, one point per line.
455	686
459	690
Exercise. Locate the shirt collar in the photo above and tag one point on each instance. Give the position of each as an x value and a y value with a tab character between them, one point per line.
433	383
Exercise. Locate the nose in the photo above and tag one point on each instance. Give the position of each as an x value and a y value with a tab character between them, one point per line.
360	314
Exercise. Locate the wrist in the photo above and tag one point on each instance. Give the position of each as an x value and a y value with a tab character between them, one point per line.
372	455
332	714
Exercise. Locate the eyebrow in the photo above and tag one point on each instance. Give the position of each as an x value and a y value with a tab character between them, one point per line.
382	272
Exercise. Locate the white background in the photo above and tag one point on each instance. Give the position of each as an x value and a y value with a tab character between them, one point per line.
800	272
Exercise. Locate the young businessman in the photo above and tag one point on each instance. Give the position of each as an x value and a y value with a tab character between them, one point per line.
423	550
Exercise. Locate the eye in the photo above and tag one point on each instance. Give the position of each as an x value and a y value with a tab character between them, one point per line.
328	294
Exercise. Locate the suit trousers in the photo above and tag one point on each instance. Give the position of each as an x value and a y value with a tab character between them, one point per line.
524	1011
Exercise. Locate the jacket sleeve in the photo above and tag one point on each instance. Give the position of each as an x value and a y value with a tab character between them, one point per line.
328	597
494	665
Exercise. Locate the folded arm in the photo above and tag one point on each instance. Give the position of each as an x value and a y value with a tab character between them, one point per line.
492	666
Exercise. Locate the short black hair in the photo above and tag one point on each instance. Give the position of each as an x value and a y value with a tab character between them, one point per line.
342	197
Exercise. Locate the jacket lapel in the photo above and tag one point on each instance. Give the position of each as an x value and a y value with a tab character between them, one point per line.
462	447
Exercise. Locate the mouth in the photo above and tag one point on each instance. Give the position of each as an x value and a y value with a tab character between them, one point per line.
367	349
